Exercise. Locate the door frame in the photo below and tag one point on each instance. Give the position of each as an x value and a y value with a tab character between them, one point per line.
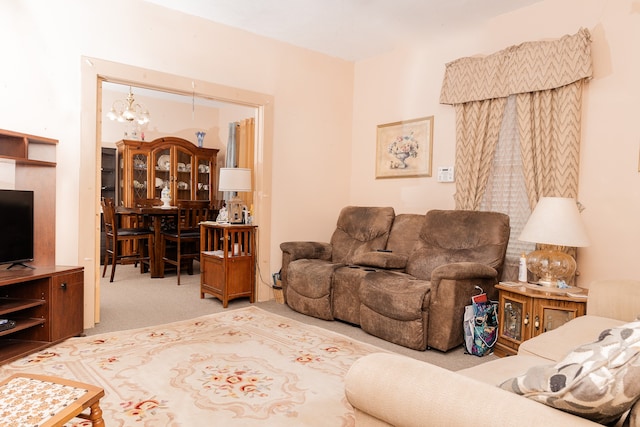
93	72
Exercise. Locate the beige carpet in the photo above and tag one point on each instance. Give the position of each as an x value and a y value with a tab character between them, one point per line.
242	367
135	300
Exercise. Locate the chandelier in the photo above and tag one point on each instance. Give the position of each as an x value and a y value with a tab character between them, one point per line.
127	110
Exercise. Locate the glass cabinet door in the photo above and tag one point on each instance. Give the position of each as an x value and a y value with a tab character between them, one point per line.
140	175
515	318
183	175
203	179
554	317
512	320
162	168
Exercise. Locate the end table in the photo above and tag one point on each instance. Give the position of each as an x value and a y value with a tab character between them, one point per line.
227	260
527	310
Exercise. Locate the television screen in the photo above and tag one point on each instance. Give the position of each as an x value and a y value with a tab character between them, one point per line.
16	226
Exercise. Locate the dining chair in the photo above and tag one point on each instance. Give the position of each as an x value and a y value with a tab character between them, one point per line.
143	221
181	243
116	236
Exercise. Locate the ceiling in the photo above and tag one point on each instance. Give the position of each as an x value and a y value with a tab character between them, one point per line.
349	29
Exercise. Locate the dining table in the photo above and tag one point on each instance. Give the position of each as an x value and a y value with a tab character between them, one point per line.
152	217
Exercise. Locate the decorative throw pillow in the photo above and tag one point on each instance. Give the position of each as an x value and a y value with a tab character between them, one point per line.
599	381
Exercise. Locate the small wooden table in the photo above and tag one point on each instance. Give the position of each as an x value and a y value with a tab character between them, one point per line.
528	310
44	401
156	213
227	261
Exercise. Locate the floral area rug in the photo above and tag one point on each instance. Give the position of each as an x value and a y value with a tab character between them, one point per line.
244	367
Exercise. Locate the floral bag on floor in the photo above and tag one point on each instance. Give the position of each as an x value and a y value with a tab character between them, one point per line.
480	325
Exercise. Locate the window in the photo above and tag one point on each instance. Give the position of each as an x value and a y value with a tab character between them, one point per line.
506	191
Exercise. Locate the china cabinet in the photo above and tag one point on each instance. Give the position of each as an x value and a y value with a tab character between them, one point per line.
525	312
146	168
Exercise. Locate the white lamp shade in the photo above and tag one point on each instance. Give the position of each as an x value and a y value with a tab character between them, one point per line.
555	221
235	179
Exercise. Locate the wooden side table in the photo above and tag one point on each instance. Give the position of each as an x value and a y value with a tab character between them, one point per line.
527	310
44	401
227	261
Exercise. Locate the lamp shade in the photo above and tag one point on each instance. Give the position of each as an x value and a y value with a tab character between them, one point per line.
235	179
555	221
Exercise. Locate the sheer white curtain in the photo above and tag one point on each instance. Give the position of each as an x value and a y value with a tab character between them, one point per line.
506	189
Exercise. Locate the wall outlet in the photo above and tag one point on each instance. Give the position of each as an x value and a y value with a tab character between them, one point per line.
446	174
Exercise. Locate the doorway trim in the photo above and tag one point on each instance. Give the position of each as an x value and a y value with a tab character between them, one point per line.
93	72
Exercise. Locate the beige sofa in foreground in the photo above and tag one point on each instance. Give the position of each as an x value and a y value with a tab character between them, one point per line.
389	389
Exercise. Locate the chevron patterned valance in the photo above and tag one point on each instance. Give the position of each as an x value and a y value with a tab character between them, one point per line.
528	67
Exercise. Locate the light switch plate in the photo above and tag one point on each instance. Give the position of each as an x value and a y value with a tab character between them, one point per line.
446	174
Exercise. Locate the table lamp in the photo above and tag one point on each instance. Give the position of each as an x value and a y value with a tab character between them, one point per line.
556	222
235	180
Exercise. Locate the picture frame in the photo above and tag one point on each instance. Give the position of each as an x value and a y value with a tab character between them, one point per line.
404	149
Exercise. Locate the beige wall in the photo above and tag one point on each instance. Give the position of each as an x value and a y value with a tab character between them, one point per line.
42	89
406	84
174	115
325	110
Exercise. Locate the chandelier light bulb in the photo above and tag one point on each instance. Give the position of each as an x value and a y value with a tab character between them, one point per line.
127	110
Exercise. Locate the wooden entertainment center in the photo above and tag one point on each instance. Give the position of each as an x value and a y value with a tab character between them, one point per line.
45	302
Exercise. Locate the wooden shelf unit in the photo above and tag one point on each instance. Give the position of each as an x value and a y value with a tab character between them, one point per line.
227	261
46	302
47	305
35	170
27	149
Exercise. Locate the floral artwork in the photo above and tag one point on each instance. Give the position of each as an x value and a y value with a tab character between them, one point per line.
404	148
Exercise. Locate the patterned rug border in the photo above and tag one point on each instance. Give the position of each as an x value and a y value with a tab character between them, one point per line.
168	325
246	366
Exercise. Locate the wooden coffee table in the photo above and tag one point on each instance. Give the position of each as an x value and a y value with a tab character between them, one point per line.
28	400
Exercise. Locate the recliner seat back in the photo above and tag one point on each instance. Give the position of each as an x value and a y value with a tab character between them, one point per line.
360	229
450	236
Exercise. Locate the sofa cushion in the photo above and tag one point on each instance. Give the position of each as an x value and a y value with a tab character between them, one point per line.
395	295
497	371
598	381
404	233
557	343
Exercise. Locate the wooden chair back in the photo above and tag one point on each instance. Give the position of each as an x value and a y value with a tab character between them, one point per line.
147	203
109	216
192	213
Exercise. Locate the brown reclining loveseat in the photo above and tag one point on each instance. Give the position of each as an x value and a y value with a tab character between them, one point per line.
404	278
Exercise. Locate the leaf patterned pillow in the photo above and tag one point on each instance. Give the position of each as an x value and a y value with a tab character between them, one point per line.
599	381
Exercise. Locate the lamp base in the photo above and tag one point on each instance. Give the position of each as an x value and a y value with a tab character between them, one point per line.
234	208
550	265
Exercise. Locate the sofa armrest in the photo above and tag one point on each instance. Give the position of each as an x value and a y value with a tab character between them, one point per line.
292	251
613	298
307	250
389	389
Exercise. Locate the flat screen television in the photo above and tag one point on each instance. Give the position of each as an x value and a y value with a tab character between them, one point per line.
16	227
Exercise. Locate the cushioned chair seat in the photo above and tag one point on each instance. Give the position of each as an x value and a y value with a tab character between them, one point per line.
309	289
394	307
308	267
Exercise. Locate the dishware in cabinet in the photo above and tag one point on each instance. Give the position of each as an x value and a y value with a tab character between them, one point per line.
169	162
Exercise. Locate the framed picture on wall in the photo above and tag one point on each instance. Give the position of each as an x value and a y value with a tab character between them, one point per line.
404	148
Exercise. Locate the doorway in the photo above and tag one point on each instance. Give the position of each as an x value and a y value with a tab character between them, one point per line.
94	72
